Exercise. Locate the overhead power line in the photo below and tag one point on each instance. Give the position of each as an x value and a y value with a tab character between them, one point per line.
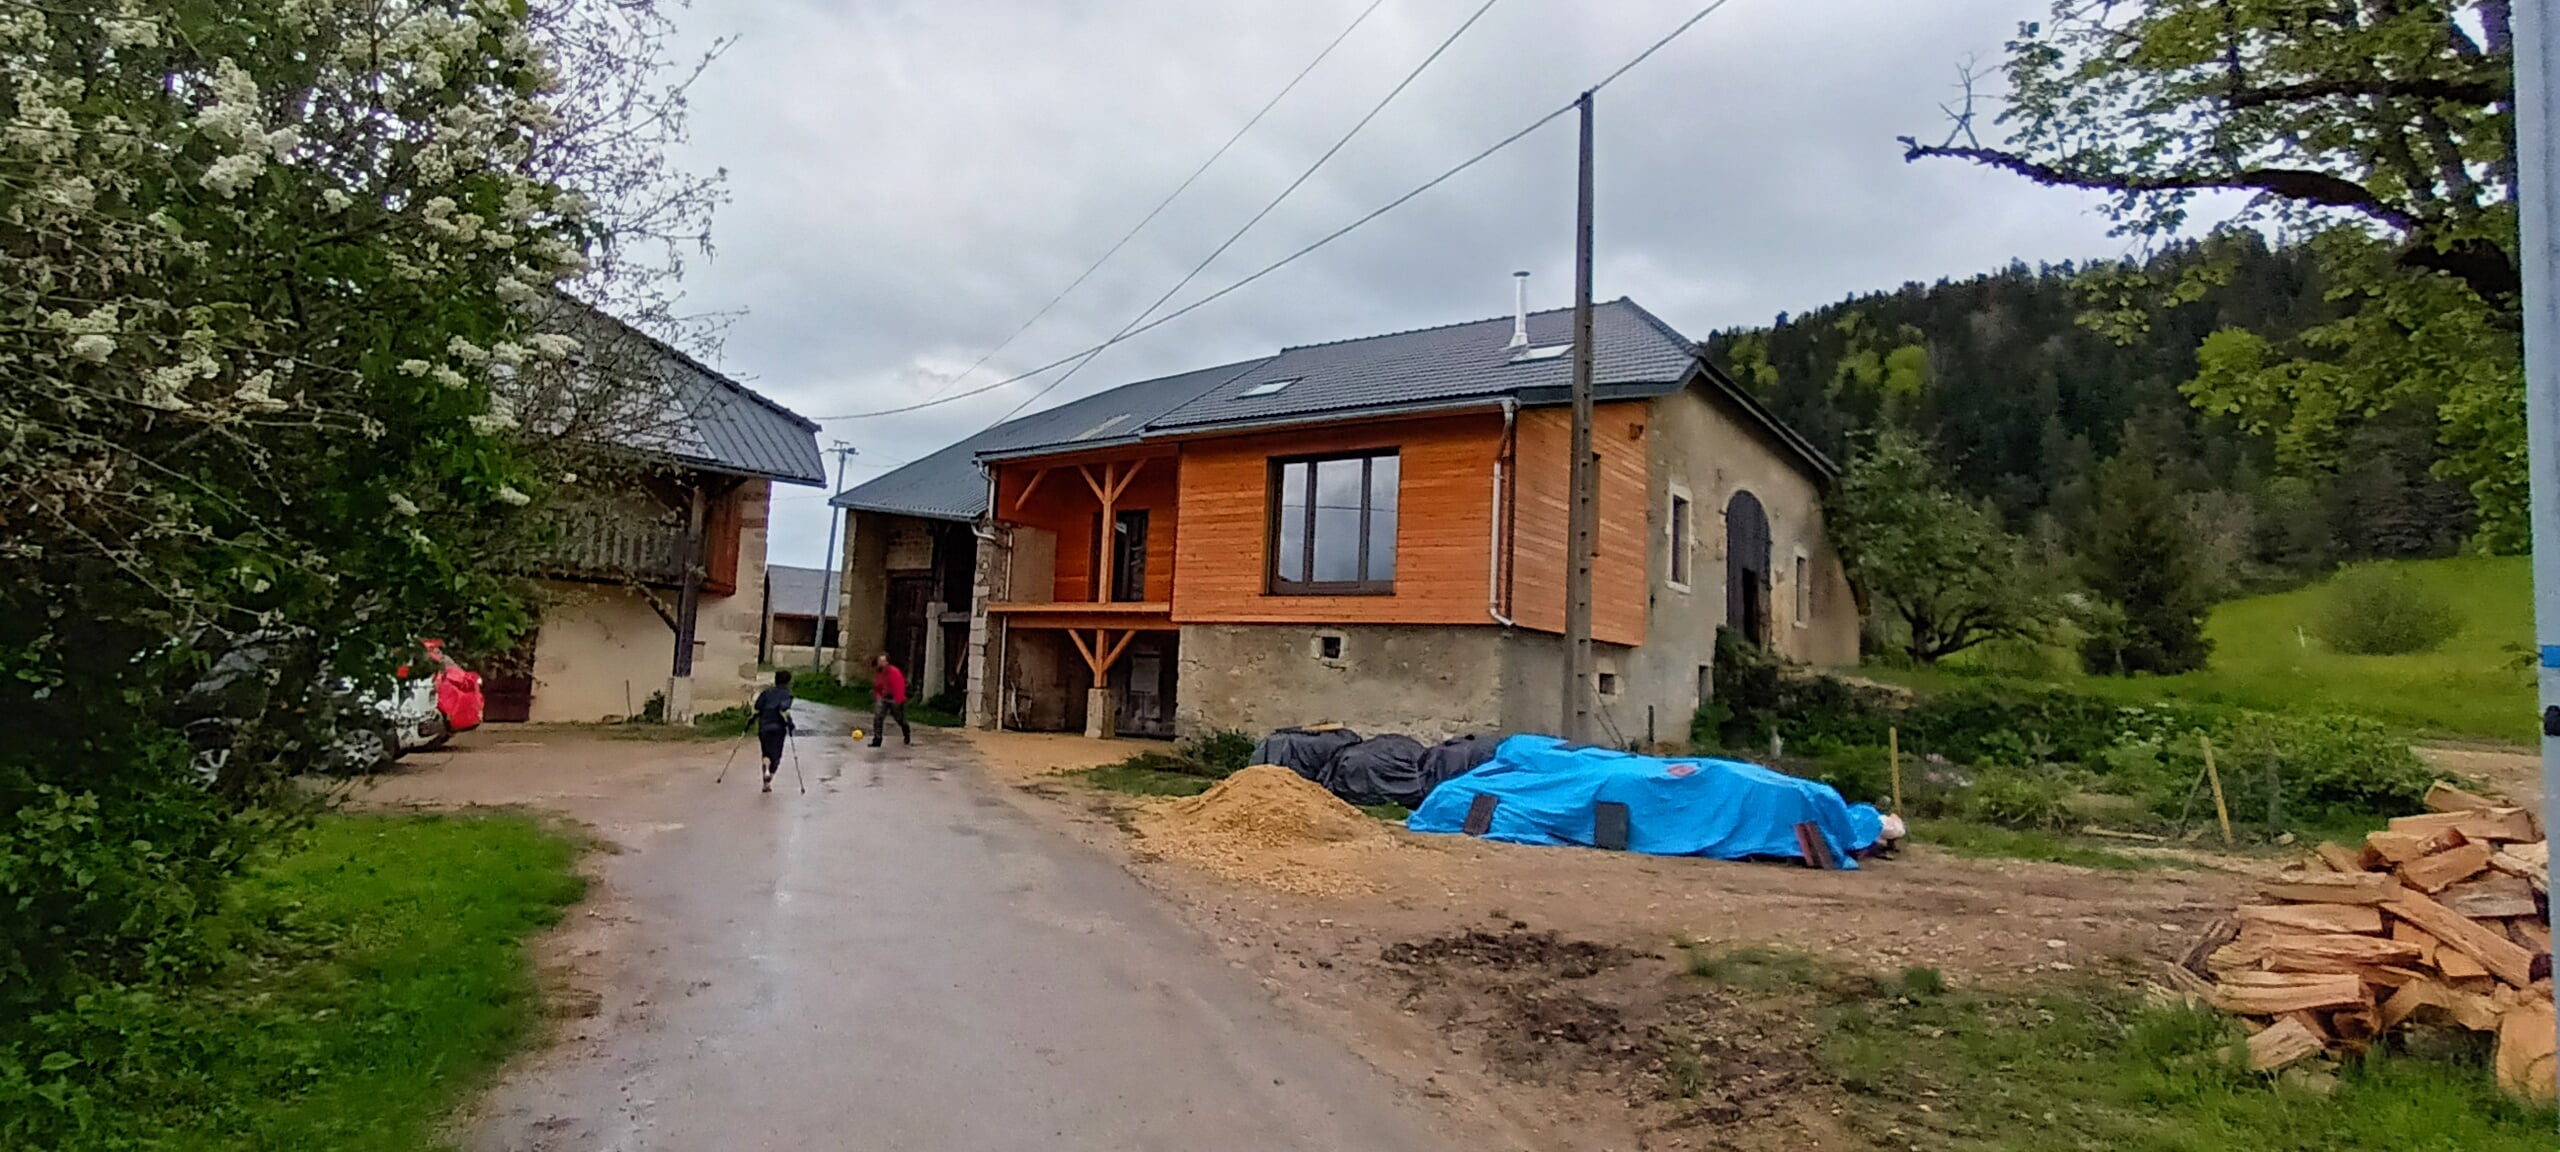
1167	202
1267	209
1309	249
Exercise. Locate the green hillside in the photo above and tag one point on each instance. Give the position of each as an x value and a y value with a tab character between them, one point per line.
2265	656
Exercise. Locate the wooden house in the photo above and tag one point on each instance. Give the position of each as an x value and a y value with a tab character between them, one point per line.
1369	532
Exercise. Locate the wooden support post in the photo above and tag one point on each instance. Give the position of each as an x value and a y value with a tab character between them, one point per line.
2221	808
1893	756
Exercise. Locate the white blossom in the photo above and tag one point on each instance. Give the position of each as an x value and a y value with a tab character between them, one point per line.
507	352
227	176
450	378
74	192
413	367
508	496
553	345
234	116
335	200
255	394
165	388
466	351
514	291
93	347
402	505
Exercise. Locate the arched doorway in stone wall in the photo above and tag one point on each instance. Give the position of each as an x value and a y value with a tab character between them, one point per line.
1746	567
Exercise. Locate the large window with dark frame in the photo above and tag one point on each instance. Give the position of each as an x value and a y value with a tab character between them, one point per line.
1333	524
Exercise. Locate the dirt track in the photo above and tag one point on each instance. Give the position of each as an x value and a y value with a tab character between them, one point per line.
1552	1044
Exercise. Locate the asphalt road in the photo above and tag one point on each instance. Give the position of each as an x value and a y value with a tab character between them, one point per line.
901	960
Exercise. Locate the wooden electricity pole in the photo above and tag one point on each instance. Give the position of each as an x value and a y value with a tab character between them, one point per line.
1583	478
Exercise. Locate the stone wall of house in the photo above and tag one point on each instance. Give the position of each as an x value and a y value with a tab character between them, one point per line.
1426	681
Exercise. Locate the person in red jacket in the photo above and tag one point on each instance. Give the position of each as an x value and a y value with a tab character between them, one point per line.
888	700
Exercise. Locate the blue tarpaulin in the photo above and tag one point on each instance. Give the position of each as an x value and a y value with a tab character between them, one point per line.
1690	806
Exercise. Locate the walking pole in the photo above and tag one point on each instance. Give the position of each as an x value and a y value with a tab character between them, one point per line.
733	754
795	764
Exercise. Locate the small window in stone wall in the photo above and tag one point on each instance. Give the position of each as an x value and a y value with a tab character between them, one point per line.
1608	683
1328	646
1804	591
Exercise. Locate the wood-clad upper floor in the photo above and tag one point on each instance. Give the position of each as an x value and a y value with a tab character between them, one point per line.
1383	522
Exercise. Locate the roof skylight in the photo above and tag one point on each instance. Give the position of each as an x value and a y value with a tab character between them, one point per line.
1549	352
1266	388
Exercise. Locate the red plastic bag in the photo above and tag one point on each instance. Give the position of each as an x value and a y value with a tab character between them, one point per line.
458	697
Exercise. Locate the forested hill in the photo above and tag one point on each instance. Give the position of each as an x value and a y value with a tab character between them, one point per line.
2022	401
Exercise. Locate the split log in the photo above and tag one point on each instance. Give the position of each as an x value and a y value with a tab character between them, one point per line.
2457	933
2445	869
2288	1042
2453	965
2397	848
2409	933
2351	888
2316	918
2491	825
2525	1060
2494	896
2538	876
2276	993
2434	1002
2444	797
2339	857
2356	1027
2297	952
2214	936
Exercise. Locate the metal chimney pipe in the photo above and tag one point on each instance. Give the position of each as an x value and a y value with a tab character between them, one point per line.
1520	311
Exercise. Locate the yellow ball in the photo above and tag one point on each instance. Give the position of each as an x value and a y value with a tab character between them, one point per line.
857	733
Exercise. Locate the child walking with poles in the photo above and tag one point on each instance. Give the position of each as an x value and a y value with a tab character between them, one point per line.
773	723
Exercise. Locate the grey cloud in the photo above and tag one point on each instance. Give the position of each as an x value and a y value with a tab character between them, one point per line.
912	180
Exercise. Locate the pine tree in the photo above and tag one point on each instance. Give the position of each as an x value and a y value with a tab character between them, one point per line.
2143	563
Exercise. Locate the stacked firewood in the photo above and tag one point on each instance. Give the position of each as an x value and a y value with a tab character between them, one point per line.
2443	919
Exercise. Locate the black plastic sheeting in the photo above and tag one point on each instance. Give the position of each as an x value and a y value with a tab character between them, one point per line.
1378	770
1303	752
1387	769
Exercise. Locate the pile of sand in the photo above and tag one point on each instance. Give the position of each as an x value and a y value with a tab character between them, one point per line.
1268	825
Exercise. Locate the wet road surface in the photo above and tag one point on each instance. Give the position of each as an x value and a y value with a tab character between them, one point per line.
901	960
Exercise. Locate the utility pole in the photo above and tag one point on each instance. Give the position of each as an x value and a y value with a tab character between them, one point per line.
835	564
2537	53
1583	478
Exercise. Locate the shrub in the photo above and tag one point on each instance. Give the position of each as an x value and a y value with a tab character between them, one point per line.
1224	751
2019	798
2377	611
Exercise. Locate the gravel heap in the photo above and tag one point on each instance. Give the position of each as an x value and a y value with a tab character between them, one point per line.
1268	825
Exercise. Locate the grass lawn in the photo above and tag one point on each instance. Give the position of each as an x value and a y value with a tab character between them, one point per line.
1137	780
381	978
1989	841
2265	657
2094	1067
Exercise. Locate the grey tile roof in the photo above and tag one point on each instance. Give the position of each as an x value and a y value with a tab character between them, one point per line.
1635	355
796	591
948	484
1459	362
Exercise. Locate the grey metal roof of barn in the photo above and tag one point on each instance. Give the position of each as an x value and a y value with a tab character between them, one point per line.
1452	366
793	591
710	421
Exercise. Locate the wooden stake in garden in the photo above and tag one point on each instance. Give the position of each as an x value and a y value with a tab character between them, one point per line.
2220	807
1893	756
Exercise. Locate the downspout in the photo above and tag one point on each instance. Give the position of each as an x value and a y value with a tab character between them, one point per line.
1494	567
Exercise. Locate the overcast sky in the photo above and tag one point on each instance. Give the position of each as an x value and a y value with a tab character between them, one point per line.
912	180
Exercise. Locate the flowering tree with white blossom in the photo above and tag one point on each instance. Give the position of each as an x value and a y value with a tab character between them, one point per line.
278	290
